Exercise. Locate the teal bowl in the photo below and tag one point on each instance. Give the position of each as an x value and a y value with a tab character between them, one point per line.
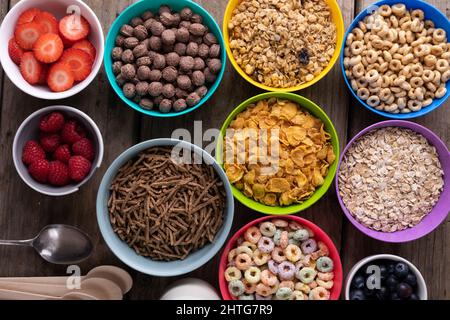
137	9
146	265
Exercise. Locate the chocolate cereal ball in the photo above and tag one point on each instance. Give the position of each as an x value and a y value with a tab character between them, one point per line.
140	32
214	51
201	91
186	14
136	21
157	28
170	74
186	63
146	43
197	29
199	64
120	80
196	18
165	105
155	89
176	20
157	100
179	105
155	75
147	15
180	93
197	39
184	82
117	66
155	43
143	72
146	104
185	24
119	40
192	49
129	90
214	65
182	35
167	19
144	61
117	53
168	37
172	59
192	99
180	48
198	78
209	39
131	42
140	51
127	56
128	71
148	24
164	9
209	76
168	90
142	88
159	62
126	30
203	51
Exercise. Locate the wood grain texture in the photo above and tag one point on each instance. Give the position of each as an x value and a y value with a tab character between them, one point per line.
431	254
23	212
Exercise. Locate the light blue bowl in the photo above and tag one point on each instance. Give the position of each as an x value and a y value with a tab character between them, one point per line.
137	9
431	13
127	254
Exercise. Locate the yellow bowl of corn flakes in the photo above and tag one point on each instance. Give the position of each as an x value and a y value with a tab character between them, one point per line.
283	46
279	151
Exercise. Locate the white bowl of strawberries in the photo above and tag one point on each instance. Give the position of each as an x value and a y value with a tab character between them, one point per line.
55	48
57	149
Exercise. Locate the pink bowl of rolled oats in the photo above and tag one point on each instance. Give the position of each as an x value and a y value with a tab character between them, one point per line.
393	181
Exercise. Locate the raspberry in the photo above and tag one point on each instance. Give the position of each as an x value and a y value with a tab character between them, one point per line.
62	153
39	170
50	141
52	122
79	168
32	151
58	174
84	148
72	132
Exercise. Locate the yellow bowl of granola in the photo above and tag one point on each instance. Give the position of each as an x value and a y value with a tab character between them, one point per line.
283	46
279	151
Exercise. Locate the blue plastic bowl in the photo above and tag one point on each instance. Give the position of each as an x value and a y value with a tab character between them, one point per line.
137	9
127	254
431	13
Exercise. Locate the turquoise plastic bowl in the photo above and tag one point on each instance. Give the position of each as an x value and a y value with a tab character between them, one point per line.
431	13
137	9
146	265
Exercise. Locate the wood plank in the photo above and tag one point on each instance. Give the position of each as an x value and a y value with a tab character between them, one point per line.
430	254
20	218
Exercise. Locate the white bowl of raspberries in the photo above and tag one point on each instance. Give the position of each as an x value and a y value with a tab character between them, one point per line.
54	49
57	149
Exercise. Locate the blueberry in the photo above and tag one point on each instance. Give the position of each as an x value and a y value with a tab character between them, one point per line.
357	295
358	282
404	290
401	270
390	268
411	279
394	296
414	297
382	293
383	271
369	292
392	281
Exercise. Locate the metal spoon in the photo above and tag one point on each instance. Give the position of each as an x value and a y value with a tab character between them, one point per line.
59	244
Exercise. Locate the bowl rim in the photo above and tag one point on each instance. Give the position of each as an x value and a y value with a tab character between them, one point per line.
318	193
64	109
384	256
49	95
318	231
364	12
110	38
394	237
340	30
110	236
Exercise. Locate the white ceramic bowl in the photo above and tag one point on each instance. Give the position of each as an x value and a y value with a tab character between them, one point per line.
190	289
59	9
421	285
29	130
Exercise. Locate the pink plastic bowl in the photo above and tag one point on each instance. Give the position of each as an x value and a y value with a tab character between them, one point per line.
319	235
440	210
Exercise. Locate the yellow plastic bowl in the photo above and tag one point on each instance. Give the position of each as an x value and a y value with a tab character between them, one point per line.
338	21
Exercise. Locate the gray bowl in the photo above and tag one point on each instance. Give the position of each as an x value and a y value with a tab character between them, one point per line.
29	130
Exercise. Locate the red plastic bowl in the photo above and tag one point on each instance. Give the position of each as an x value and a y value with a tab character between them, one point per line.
319	235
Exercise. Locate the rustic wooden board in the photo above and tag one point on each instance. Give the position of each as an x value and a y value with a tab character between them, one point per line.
121	127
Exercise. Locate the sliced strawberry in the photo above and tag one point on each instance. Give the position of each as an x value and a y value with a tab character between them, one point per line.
74	27
48	48
30	68
28	16
26	34
47	21
79	62
60	77
15	52
86	46
44	73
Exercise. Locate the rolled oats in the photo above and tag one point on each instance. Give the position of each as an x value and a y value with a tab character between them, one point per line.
282	43
390	179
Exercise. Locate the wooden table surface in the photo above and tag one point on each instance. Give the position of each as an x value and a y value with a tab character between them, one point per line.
23	212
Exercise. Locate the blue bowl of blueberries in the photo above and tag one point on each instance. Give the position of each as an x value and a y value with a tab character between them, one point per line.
385	277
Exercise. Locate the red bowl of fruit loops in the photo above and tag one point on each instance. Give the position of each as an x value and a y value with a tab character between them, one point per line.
286	258
55	48
57	149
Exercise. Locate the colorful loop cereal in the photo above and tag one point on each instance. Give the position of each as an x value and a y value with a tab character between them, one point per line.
306	275
250	288
297	295
265	245
246	297
252	275
278	255
259	297
233	273
293	253
236	287
268	229
300	286
301	235
243	261
260	258
325	284
325	276
319	293
273	266
283	293
284	239
244	249
252	235
268	278
309	246
263	290
287	284
286	270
